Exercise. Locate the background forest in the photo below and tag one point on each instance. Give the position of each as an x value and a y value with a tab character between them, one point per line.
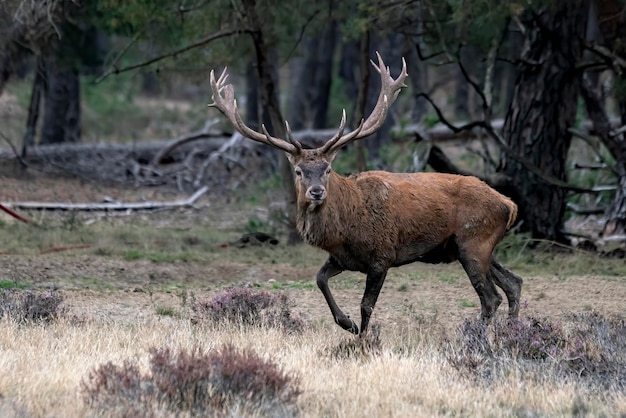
538	85
147	265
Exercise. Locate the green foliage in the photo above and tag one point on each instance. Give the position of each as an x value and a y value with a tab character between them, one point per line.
164	310
168	26
466	303
479	22
12	284
430	120
255	225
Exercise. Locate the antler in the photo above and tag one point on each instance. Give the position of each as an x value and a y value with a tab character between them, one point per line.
227	104
389	91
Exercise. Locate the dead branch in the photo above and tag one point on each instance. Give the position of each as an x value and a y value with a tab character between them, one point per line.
593	144
203	133
109	206
65	248
613	60
14	214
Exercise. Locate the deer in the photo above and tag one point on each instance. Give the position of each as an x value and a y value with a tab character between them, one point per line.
372	221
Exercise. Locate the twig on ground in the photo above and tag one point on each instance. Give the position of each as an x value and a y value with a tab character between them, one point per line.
14	214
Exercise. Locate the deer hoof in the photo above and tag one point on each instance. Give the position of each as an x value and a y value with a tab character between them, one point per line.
347	324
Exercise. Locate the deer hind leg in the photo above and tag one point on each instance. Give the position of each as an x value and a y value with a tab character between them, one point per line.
510	283
329	269
478	272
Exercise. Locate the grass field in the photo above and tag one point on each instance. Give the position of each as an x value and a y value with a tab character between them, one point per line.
130	283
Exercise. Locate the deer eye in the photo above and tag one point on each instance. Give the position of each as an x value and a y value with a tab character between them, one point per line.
328	171
298	172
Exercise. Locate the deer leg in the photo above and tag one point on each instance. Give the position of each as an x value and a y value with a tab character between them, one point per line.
373	285
483	284
510	283
329	269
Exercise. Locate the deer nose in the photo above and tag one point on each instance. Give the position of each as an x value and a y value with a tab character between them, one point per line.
316	193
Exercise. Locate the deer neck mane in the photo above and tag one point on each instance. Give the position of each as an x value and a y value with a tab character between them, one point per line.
320	226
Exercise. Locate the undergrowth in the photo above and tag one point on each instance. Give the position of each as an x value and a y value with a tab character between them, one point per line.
585	346
26	306
250	307
226	381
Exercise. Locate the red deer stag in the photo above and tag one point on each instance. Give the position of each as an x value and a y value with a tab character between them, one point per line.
375	220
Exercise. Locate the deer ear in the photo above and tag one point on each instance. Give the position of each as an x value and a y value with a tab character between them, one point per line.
331	156
291	159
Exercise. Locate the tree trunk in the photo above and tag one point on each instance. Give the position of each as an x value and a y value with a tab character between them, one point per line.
39	85
269	97
392	47
311	77
361	100
61	122
348	72
323	75
543	108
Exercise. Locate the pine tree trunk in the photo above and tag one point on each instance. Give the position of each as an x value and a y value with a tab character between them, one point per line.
269	97
543	108
61	121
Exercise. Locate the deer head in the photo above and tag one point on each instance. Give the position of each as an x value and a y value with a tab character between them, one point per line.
312	167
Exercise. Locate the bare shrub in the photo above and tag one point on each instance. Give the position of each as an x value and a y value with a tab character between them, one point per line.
600	349
30	306
245	306
226	381
586	346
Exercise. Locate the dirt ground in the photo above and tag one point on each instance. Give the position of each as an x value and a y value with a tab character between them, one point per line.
136	288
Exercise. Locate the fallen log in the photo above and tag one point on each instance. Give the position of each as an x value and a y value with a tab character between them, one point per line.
108	206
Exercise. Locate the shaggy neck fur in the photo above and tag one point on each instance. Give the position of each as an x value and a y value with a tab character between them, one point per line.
323	225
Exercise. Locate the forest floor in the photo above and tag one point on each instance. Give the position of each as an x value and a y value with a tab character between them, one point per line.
566	284
147	267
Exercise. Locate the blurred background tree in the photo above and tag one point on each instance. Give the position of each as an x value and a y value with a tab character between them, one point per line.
526	77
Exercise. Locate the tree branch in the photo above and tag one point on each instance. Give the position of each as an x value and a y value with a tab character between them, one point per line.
488	128
199	43
205	132
618	63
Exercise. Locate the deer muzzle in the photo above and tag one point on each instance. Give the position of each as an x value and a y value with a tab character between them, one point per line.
316	194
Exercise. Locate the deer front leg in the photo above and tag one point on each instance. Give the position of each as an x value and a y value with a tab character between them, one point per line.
373	285
329	269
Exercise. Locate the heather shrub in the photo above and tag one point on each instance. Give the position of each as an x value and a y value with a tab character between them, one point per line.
224	382
587	346
30	306
252	307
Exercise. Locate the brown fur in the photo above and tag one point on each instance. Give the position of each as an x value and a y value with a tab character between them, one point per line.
372	221
375	220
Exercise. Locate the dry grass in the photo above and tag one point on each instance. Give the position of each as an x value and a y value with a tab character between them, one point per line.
41	368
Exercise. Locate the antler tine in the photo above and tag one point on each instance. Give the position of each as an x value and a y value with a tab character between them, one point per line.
290	137
224	100
339	134
389	90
